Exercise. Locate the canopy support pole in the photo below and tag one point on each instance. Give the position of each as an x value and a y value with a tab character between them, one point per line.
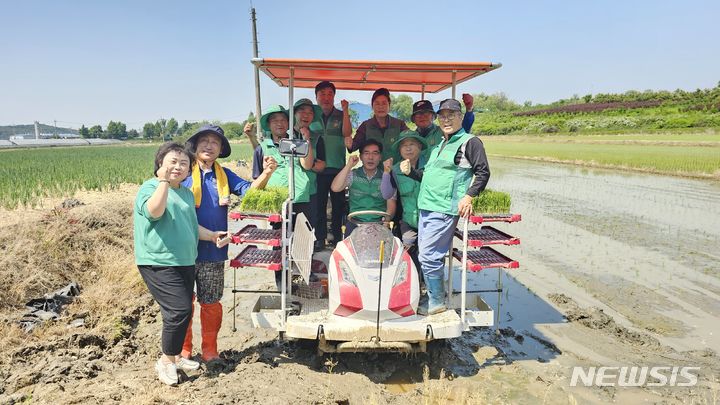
258	109
286	271
422	94
454	80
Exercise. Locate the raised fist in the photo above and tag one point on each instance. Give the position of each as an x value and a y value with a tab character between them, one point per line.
387	165
269	164
468	101
249	129
405	167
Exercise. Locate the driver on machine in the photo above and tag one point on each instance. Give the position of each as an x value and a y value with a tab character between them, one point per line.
364	184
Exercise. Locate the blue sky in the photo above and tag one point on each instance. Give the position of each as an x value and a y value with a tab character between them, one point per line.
89	62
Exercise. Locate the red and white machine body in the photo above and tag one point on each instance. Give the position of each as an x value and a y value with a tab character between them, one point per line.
354	277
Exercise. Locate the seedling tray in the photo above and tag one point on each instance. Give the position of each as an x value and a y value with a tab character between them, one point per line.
251	234
251	256
272	218
480	218
487	236
485	258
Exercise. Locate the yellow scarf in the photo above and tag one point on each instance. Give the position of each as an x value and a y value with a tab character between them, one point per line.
222	184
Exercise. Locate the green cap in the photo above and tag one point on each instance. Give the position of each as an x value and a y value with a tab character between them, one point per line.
271	110
408	133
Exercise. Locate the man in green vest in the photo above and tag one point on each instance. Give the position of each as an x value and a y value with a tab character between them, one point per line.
423	116
333	126
364	184
446	194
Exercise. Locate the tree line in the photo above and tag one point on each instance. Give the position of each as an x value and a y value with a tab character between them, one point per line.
162	129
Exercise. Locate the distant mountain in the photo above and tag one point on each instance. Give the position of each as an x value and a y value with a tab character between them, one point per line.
364	111
29	129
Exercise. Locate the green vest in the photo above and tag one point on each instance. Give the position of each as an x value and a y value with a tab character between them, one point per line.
280	175
333	138
408	191
312	176
365	194
433	138
373	131
444	183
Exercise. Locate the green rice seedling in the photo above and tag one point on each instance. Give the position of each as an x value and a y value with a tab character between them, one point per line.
27	176
491	202
269	200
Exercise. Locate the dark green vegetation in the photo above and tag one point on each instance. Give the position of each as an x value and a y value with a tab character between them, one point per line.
632	111
268	201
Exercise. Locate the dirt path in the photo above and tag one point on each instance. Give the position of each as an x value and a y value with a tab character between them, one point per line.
616	270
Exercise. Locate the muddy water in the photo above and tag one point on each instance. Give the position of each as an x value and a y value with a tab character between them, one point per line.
642	248
645	248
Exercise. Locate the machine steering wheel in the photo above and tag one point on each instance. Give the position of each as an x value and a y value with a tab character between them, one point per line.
384	217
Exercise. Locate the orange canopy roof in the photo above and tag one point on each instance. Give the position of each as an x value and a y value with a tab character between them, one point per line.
371	75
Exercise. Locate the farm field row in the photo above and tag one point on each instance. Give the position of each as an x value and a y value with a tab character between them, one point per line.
701	138
29	175
680	160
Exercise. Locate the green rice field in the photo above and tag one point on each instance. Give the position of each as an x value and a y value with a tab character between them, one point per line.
658	157
28	175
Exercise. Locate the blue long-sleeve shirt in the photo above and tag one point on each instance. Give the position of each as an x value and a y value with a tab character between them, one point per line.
468	121
211	214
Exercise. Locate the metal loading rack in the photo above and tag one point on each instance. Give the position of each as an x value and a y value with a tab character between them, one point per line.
271	218
274	259
486	258
479	219
487	235
483	257
252	234
251	256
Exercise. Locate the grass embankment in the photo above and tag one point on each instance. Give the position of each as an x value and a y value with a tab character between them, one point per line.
90	244
29	175
672	154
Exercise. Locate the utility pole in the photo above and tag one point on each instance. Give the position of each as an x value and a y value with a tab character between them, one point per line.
55	135
258	110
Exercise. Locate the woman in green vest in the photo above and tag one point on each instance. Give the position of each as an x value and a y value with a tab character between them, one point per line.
307	116
364	184
403	180
275	120
382	127
445	195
